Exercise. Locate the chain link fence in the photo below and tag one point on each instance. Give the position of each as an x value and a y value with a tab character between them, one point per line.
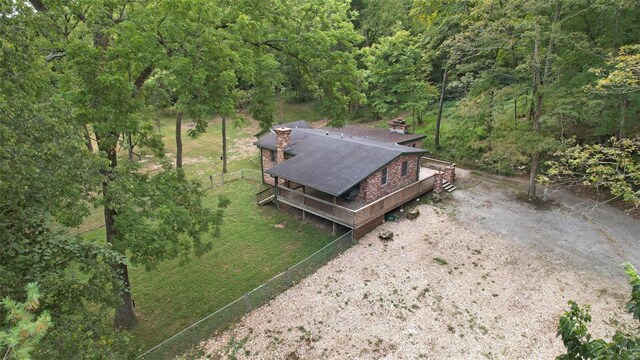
188	339
215	180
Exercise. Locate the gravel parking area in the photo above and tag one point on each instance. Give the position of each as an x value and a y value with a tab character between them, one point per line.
479	276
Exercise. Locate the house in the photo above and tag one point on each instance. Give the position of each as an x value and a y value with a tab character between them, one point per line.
351	176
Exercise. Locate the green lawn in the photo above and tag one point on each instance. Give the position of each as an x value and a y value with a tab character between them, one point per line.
250	251
287	112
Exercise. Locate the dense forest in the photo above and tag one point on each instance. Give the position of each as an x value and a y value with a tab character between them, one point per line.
547	89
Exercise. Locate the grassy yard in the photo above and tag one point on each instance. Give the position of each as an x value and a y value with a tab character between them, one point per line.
256	243
287	112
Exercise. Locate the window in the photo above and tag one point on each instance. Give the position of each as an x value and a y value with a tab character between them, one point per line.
384	176
405	166
273	156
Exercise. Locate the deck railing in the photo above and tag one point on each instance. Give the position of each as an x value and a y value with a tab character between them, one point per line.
434	163
392	201
316	206
349	217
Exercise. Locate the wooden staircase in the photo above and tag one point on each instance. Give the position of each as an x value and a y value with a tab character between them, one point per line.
266	200
448	187
266	196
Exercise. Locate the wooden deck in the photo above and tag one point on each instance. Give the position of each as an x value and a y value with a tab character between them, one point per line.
354	215
357	215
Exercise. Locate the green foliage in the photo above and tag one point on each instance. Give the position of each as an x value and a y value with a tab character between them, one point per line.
87	335
25	330
614	166
633	306
160	215
579	343
379	18
624	75
396	75
496	52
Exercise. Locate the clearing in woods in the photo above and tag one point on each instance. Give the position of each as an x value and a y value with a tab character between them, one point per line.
480	275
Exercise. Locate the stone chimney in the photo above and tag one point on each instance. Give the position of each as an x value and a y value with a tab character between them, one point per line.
398	125
283	140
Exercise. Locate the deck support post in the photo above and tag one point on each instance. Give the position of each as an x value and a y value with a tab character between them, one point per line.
304	216
333	232
275	186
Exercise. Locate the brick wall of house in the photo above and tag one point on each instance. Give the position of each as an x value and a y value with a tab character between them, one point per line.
372	188
265	155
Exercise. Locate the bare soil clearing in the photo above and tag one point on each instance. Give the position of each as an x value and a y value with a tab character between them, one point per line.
480	276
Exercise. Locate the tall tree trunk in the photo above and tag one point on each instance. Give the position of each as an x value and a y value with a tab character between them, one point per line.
532	176
624	106
536	106
538	95
440	105
413	115
87	138
124	316
179	140
125	313
224	144
515	111
130	152
489	123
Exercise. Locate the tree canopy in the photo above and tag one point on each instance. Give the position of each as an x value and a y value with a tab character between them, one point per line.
524	86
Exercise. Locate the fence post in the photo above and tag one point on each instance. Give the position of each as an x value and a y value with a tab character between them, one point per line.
289	277
246	303
242	173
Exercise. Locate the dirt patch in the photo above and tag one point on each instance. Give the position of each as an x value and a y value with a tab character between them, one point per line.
243	147
152	166
460	281
280	226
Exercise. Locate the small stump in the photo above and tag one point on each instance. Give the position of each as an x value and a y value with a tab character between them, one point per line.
413	214
436	198
386	235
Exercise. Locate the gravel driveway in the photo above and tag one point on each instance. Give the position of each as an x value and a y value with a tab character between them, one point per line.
479	276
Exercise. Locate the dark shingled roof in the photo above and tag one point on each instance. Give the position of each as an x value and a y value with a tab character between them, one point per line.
377	133
330	163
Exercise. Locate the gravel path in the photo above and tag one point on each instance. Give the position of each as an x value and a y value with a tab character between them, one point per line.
480	276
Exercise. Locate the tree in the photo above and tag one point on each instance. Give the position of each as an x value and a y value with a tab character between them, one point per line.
623	79
440	23
580	344
396	76
49	180
380	18
110	51
624	76
25	331
103	57
614	166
